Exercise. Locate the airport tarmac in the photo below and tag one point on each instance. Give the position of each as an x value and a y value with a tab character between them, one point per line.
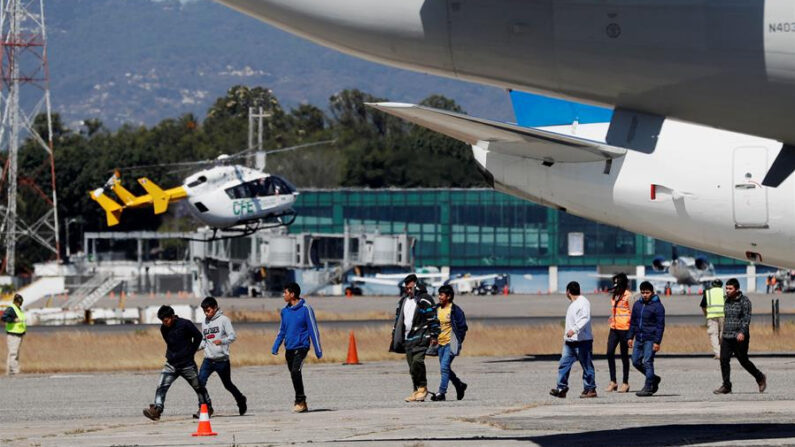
506	404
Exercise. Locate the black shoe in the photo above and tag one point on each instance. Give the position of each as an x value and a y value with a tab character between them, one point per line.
198	412
722	390
438	397
559	392
153	412
588	394
460	390
762	383
242	406
645	392
656	384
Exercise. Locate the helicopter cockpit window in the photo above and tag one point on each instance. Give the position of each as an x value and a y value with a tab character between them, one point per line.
241	191
281	186
260	187
197	182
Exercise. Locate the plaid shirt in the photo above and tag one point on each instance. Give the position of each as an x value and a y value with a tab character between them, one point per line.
738	316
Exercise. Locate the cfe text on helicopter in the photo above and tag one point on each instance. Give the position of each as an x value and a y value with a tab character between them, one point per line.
229	197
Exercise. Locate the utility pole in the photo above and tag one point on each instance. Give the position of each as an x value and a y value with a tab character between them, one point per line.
259	157
24	95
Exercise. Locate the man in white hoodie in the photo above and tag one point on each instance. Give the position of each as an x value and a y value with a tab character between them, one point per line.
218	335
577	344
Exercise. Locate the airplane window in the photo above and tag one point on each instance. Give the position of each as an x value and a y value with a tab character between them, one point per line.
197	182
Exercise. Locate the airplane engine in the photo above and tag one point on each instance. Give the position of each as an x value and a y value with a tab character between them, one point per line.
658	264
702	263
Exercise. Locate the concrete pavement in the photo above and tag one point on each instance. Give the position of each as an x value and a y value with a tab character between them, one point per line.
506	404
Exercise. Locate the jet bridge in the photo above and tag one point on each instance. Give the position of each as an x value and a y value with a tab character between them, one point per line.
224	266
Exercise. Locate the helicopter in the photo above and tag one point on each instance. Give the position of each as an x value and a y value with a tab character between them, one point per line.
230	197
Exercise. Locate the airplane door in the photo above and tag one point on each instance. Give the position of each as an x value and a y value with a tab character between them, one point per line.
750	197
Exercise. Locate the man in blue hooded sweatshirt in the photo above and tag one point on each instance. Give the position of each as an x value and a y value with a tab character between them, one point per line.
646	327
297	327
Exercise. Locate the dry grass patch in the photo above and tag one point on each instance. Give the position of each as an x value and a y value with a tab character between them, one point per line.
81	351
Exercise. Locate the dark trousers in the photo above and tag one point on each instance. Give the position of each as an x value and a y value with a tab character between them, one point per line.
739	349
188	372
416	361
614	339
224	370
295	360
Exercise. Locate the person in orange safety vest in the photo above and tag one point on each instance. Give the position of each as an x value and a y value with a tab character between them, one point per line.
621	311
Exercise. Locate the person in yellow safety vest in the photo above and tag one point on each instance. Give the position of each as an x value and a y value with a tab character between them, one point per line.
621	311
712	306
15	330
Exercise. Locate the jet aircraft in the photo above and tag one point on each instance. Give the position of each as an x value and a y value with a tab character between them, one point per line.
726	64
661	66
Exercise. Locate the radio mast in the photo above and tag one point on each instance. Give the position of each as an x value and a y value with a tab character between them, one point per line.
24	97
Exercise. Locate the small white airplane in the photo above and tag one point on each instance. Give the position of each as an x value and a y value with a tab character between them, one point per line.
683	271
432	279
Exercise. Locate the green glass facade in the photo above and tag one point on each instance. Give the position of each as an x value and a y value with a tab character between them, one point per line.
476	228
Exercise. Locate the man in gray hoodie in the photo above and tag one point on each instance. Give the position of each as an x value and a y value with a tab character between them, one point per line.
218	335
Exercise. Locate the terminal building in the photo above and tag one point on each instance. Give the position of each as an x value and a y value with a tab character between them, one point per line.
483	230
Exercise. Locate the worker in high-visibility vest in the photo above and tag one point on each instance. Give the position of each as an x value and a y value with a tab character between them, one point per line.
621	305
712	306
15	331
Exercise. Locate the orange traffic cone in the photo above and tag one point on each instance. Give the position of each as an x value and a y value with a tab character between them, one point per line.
204	424
353	356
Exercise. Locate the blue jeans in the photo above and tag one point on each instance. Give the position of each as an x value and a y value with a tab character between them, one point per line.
188	372
446	358
581	351
643	360
224	371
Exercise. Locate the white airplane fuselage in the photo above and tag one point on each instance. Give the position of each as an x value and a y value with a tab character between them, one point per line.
727	64
724	63
707	192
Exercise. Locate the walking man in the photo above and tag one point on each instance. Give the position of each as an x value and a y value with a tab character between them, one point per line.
577	345
218	334
15	331
298	327
416	328
646	328
453	330
736	337
712	306
182	341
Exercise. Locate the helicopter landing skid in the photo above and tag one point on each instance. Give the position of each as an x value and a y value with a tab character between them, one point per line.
282	220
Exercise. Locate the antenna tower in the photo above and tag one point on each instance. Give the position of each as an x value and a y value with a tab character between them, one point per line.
24	96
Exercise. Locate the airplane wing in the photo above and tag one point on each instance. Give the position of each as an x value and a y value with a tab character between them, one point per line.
656	278
504	138
401	276
378	281
464	279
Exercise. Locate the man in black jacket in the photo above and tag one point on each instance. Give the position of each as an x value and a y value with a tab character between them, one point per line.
736	337
182	340
416	328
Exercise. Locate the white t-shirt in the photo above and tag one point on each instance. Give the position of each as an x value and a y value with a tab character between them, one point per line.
409	307
578	319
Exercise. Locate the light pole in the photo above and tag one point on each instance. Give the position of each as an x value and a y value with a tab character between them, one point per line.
69	221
